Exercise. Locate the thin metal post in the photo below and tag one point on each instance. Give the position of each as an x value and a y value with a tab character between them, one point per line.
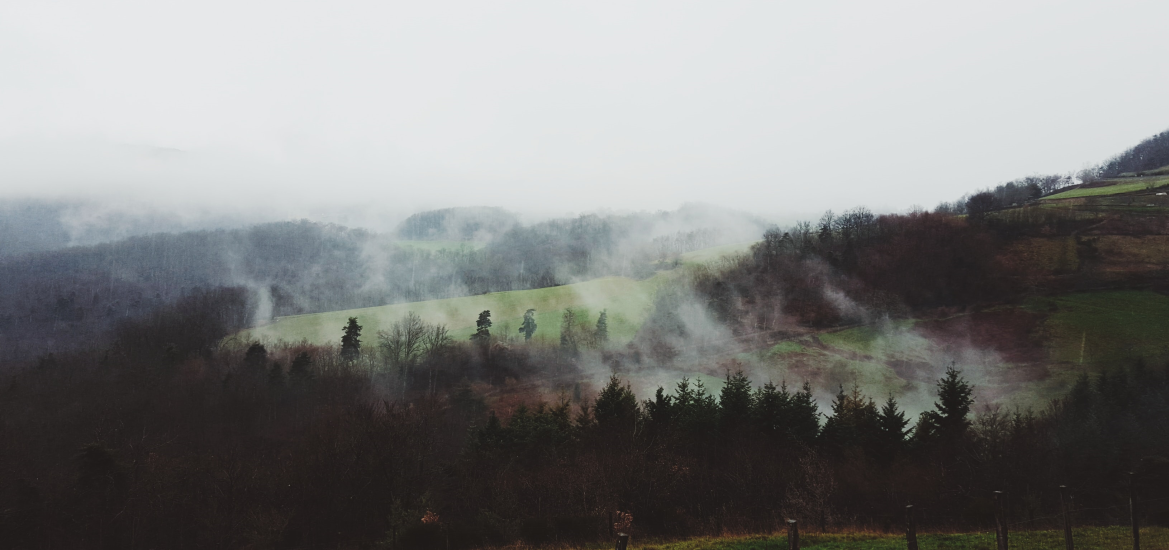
1067	518
1000	521
910	528
1132	511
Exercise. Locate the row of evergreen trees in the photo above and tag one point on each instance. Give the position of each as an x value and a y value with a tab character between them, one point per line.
692	414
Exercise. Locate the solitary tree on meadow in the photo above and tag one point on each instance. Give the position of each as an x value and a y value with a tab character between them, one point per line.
602	334
351	341
482	328
528	328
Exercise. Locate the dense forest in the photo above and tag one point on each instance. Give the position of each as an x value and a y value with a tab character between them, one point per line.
189	445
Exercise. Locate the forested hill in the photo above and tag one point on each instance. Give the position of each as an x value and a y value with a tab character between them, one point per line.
1147	155
58	299
1147	158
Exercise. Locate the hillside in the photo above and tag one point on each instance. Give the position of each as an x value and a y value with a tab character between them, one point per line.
628	302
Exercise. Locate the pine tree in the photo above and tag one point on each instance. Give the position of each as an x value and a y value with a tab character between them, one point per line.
351	341
805	416
948	423
771	409
568	341
276	375
892	427
734	401
299	373
256	357
602	333
482	328
616	406
853	421
528	327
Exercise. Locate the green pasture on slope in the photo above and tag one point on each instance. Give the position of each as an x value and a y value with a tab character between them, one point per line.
627	301
1115	189
1102	328
1086	538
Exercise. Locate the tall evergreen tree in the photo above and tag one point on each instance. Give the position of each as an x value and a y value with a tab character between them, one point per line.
568	341
616	406
482	328
256	357
948	423
276	375
351	341
892	427
735	402
804	425
602	333
771	409
853	421
299	372
528	327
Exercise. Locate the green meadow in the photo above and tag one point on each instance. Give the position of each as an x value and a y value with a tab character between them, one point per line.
627	302
1117	188
1102	328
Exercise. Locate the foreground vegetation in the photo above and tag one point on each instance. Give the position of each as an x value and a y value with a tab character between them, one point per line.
1087	538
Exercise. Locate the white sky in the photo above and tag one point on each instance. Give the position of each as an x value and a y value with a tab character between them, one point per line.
776	107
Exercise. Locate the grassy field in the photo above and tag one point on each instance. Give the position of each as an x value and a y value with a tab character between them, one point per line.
1121	186
1101	328
1086	538
627	301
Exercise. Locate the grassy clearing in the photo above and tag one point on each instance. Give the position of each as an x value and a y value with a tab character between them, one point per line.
873	339
1087	538
786	347
1104	327
1117	188
627	301
714	253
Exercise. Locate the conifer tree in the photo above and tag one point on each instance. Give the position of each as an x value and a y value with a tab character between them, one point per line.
771	409
568	330
893	425
482	328
734	401
528	327
298	372
948	423
276	375
351	341
616	406
805	416
256	357
602	333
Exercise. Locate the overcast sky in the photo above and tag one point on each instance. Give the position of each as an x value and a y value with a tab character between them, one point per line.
777	107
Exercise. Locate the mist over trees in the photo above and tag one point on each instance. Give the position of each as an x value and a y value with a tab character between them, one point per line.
61	299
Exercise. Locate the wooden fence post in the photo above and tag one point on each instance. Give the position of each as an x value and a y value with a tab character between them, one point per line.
1000	521
1132	511
793	535
622	541
1067	518
910	528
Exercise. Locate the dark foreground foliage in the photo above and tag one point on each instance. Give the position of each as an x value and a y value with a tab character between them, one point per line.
172	446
